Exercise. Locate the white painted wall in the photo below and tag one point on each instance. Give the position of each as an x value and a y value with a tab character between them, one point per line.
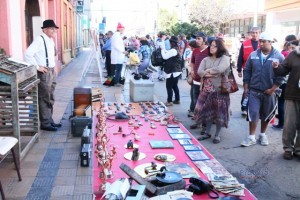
15	26
274	22
37	23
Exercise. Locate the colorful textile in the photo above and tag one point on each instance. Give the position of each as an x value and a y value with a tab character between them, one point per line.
213	107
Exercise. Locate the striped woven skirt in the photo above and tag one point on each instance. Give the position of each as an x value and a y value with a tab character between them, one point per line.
213	107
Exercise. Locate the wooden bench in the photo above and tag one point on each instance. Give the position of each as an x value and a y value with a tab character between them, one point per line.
6	145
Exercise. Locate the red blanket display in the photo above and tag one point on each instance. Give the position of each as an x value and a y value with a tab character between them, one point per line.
146	130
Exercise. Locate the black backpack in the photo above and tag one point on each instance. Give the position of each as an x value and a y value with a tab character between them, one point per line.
156	58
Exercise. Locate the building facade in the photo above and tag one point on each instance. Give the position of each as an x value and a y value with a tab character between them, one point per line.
21	22
283	18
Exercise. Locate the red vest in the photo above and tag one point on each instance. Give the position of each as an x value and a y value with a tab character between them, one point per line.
248	49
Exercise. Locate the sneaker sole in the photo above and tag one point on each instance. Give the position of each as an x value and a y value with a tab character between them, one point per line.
247	145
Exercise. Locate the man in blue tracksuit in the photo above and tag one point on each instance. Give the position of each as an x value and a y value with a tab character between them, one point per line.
261	83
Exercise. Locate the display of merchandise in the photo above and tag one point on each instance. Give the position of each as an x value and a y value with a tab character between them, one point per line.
192	148
180	136
161	144
184	169
185	141
174	130
197	155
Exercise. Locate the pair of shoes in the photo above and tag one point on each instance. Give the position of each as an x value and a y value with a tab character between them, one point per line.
204	137
244	113
176	102
217	140
193	126
263	139
288	155
248	142
56	125
169	104
49	128
277	126
203	129
190	114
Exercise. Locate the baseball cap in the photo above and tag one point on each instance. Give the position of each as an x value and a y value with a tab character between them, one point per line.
199	34
266	36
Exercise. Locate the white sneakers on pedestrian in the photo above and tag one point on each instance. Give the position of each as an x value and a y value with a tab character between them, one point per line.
248	142
263	139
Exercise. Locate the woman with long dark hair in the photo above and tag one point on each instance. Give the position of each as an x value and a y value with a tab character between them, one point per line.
172	69
212	105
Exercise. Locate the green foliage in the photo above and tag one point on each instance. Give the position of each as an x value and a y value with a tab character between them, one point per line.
210	14
166	19
187	28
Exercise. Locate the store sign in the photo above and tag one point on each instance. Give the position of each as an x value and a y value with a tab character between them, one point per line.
79	9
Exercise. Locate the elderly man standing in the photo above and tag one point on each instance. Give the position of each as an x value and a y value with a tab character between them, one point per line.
41	53
118	53
261	84
248	46
291	128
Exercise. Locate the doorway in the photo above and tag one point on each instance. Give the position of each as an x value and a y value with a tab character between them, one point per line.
32	9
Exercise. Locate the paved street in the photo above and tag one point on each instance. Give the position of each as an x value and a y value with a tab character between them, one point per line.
266	174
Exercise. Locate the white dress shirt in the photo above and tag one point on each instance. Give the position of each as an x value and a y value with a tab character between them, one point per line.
35	54
117	49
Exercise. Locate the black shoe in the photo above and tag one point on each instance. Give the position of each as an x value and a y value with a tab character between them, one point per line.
194	126
49	128
56	125
176	102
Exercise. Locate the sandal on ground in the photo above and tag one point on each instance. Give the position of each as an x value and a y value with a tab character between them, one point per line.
216	140
204	137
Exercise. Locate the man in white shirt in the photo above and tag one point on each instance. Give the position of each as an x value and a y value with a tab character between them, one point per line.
118	53
41	53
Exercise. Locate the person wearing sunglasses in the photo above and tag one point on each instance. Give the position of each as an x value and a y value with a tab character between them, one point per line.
212	105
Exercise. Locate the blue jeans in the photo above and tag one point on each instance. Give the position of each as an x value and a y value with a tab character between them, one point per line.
118	69
195	91
281	106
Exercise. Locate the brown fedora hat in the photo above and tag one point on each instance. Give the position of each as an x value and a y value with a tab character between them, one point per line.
48	24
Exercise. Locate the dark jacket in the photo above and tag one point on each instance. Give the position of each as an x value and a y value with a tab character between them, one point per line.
259	74
173	64
291	66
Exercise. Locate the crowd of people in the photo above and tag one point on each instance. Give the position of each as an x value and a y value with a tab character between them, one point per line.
271	79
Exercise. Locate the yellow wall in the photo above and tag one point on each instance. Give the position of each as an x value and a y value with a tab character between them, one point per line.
67	31
277	5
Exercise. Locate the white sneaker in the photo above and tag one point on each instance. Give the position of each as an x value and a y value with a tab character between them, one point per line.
263	139
248	142
244	113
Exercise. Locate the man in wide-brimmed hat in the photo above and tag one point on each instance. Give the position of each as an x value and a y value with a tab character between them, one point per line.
41	53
